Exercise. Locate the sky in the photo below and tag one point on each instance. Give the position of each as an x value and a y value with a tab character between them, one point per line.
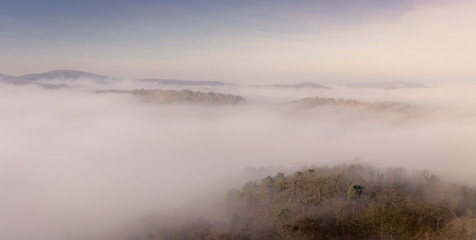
243	41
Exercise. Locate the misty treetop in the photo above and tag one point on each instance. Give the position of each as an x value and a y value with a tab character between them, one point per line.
183	96
353	201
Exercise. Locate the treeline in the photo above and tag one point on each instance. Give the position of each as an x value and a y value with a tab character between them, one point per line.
160	96
353	201
339	102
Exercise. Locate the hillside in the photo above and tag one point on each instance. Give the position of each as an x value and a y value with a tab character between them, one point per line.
342	202
347	103
160	96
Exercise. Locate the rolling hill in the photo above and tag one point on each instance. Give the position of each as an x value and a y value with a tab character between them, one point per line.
160	96
52	75
348	103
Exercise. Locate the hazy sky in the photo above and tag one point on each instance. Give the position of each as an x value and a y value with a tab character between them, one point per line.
243	41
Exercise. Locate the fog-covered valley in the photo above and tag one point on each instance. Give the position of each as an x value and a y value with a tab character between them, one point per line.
80	161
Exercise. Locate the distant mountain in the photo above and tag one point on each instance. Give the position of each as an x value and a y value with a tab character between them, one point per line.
181	96
296	85
52	86
387	85
4	77
319	101
62	74
183	82
11	80
56	74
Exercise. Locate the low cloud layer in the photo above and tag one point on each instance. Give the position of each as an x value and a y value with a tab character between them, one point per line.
76	165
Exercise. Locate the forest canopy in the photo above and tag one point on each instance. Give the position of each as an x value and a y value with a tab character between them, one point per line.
351	201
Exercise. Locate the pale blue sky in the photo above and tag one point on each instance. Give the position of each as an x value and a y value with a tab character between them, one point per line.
223	40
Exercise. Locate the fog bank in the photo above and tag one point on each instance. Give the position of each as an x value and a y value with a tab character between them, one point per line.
75	164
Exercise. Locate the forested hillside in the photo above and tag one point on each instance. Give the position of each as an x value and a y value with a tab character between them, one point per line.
348	103
182	96
343	202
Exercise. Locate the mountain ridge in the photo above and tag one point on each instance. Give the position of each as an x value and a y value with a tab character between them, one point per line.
62	74
54	74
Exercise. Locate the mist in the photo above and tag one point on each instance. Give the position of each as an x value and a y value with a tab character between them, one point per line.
75	164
